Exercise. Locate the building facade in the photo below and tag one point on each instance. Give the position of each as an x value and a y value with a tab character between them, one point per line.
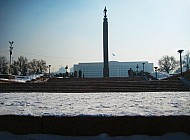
116	69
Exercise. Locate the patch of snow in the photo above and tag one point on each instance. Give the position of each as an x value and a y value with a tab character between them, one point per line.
96	104
160	75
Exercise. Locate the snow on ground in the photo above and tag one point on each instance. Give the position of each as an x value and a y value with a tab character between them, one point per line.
23	79
160	75
96	104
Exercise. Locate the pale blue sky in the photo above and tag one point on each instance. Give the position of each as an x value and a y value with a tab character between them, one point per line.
70	31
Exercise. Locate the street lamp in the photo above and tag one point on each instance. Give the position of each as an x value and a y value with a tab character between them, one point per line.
156	69
143	67
11	48
137	67
180	51
66	68
49	70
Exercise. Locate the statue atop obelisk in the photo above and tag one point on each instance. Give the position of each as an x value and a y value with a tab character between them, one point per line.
105	45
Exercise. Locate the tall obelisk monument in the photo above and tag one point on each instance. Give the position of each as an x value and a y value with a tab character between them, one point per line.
105	45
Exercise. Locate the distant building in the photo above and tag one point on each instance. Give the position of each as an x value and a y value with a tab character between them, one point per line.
116	69
61	70
71	69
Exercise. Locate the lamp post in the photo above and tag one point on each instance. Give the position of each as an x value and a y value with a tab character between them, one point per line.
180	51
11	48
66	68
137	67
143	67
49	70
156	69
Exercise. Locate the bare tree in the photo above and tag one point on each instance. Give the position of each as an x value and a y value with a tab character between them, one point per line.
42	66
22	64
37	66
168	63
33	66
3	65
186	60
15	68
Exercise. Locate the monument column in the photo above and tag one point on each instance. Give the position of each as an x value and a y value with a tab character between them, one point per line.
105	45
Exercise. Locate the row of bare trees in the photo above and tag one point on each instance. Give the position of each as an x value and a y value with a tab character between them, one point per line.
22	66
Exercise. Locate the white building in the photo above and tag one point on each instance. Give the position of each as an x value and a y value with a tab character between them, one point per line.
62	70
116	69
